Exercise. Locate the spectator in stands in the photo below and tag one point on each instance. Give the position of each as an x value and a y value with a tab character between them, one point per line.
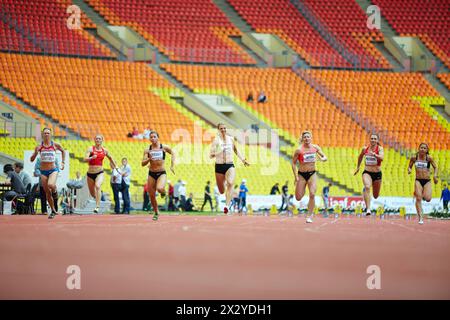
146	205
325	196
243	190
275	189
171	204
182	194
134	133
262	98
176	194
12	179
116	186
445	197
42	195
25	177
235	199
284	197
254	127
207	196
125	171
250	97
146	133
189	206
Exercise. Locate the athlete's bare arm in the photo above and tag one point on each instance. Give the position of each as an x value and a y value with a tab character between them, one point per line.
63	154
360	157
173	158
435	176
294	164
244	161
146	159
88	156
111	160
322	155
380	155
35	153
213	152
411	163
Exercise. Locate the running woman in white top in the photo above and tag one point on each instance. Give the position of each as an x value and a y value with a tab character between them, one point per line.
306	174
371	176
49	171
422	188
222	149
155	157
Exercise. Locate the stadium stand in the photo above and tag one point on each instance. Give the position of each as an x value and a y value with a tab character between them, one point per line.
348	23
428	20
44	23
280	17
195	31
303	107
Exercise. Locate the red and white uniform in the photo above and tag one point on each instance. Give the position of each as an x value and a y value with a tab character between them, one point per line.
48	154
100	156
307	156
372	160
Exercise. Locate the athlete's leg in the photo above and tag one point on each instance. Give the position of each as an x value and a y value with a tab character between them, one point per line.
312	186
367	181
229	182
98	189
418	194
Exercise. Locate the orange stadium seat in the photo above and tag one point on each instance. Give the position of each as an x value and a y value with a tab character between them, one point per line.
69	90
292	104
428	20
385	98
184	30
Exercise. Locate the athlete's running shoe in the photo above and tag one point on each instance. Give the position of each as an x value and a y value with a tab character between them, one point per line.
225	210
155	216
309	220
96	209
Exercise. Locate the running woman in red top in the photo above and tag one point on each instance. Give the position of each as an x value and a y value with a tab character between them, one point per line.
94	156
371	176
155	157
306	174
49	171
422	187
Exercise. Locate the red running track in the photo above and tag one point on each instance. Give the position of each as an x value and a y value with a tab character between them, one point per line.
222	257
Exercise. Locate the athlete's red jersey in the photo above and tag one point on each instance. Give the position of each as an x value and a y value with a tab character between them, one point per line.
100	156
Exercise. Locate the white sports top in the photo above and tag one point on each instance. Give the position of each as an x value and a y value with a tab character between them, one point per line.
223	149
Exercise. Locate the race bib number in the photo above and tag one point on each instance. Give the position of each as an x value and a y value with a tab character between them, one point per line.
47	156
309	157
371	160
421	165
226	147
157	154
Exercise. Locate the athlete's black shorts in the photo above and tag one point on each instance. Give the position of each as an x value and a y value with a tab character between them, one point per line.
306	175
222	168
93	176
156	175
423	182
374	175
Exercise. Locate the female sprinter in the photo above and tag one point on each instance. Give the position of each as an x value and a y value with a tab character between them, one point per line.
49	171
422	189
222	149
306	174
94	156
371	176
155	156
